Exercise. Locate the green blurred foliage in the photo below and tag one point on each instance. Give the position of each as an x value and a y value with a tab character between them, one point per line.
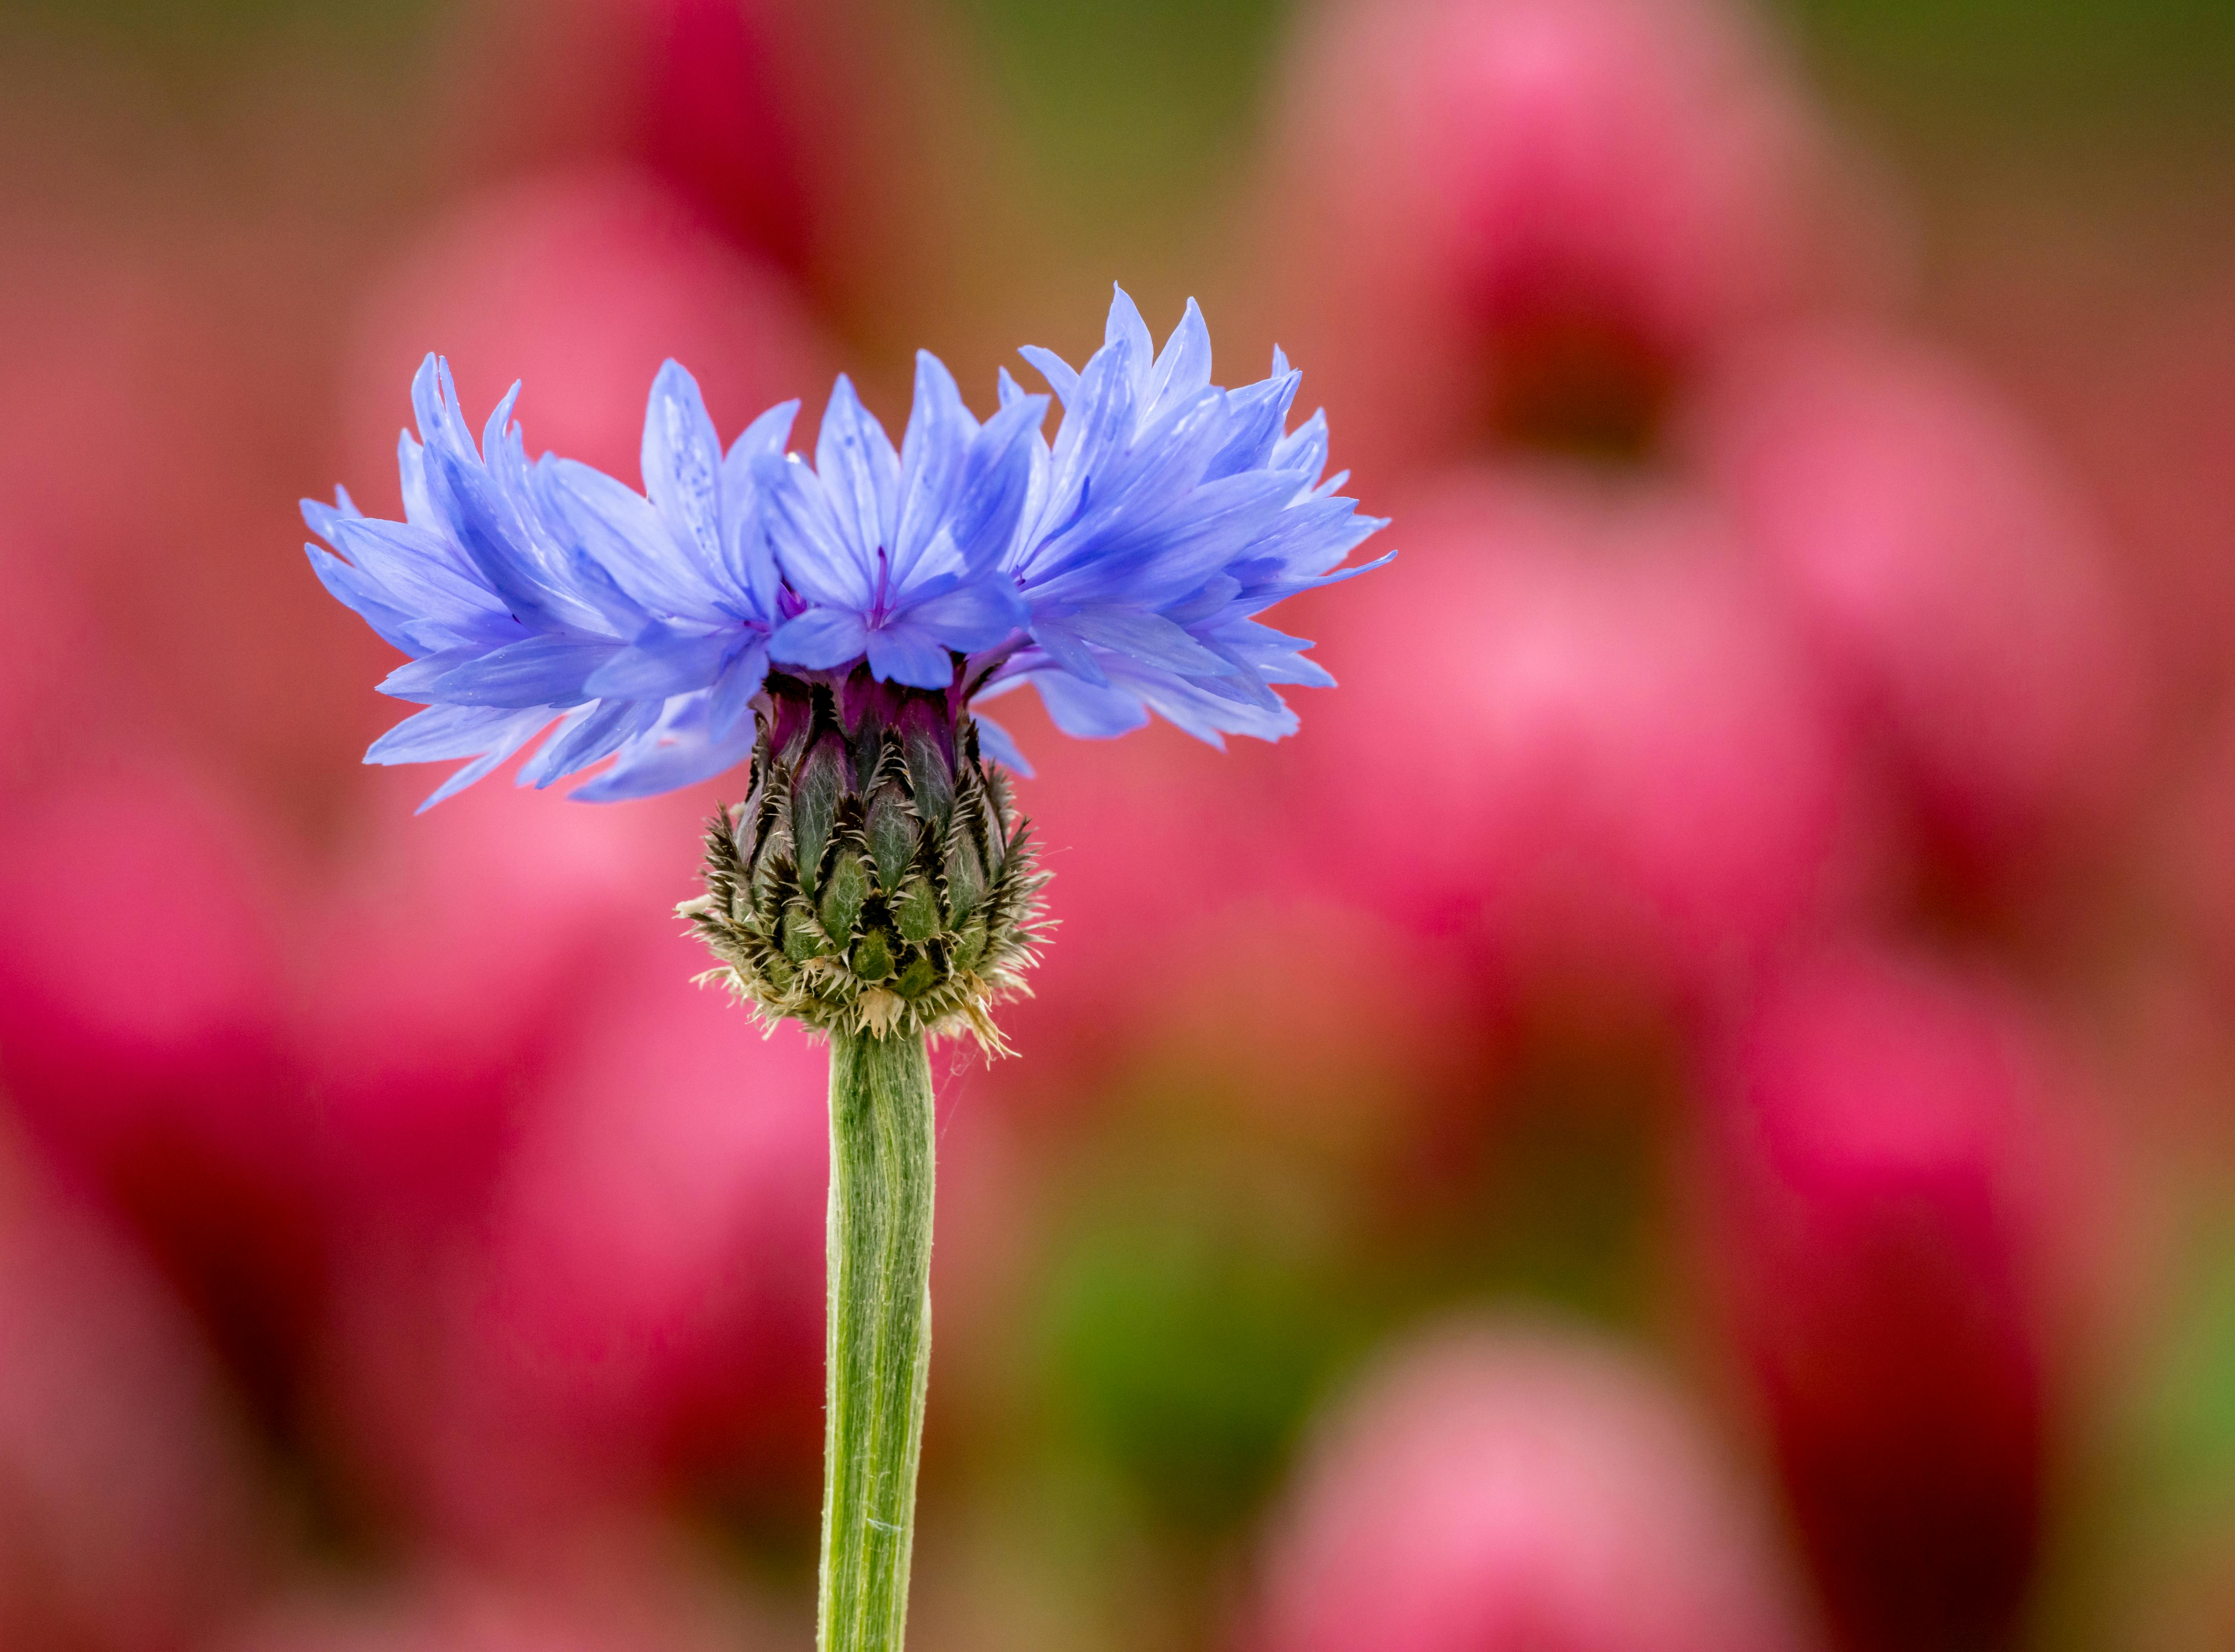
1199	1298
2190	1417
1213	1279
1126	101
2034	66
156	28
1186	1353
2149	1550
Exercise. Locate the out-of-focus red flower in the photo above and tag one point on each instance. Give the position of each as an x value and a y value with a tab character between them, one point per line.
656	1287
1146	838
146	1036
712	95
1326	1019
640	1303
1493	1489
2144	400
806	135
578	284
453	955
1948	578
2196	867
613	1590
58	690
130	1505
1536	215
1572	731
1886	1174
157	339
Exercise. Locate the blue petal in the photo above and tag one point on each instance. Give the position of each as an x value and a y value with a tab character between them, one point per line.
500	419
1148	638
1194	709
1086	711
982	614
484	515
480	768
1146	490
1184	367
443	732
622	532
465	498
540	670
413	567
664	661
594	733
321	517
434	405
682	461
996	481
367	600
1260	411
1095	426
676	751
415	680
1217	591
1221	519
860	470
821	640
746	552
763	439
901	651
816	551
1274	656
494	735
1304	449
1239	682
728	707
411	469
997	745
1125	328
939	437
1063	646
1062	376
1264	595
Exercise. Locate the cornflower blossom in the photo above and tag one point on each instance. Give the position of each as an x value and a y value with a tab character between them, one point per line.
838	621
1118	569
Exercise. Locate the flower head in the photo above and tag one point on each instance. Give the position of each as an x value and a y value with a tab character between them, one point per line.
837	619
1118	569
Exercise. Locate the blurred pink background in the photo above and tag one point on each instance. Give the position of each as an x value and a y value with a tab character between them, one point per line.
1692	1108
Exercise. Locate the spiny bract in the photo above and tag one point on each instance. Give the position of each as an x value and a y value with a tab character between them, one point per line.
876	879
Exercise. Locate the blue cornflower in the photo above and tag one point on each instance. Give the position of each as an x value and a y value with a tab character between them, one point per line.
1118	570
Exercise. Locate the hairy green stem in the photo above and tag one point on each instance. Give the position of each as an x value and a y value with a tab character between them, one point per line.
880	1336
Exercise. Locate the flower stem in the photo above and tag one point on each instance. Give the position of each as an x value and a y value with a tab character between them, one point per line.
880	1336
